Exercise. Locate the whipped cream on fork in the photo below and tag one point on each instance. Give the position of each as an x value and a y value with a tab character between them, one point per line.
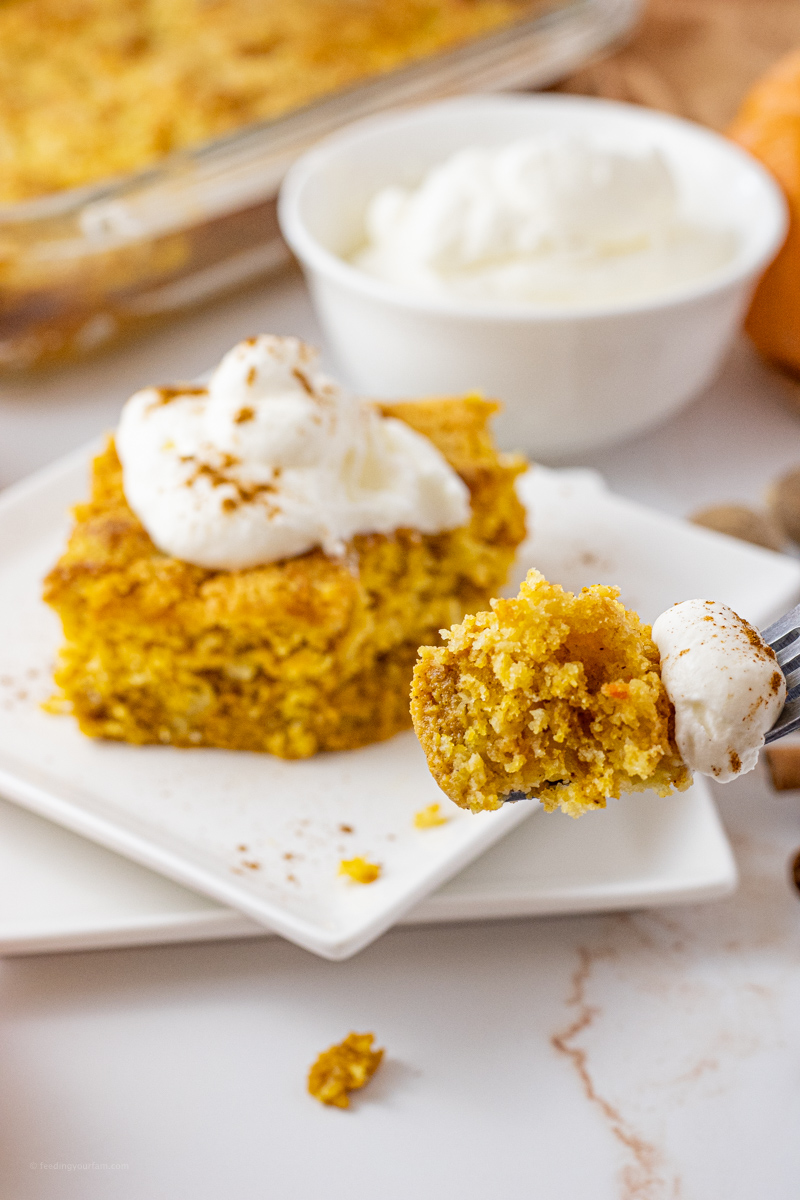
724	682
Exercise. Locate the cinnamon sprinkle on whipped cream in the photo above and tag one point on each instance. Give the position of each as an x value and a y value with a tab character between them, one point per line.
272	459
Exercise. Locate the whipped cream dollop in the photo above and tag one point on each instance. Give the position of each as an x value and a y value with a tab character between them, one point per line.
272	459
553	219
724	682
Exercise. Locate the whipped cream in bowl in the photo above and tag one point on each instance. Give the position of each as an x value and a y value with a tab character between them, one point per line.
724	683
272	459
586	262
555	219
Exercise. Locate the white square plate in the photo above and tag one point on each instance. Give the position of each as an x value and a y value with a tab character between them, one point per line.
61	892
187	813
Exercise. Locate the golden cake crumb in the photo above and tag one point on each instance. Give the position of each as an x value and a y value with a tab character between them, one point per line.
548	695
359	870
430	817
344	1068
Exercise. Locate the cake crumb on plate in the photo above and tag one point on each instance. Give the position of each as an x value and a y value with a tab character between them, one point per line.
359	870
429	817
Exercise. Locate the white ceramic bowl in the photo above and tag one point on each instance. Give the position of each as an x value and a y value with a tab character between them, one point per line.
568	380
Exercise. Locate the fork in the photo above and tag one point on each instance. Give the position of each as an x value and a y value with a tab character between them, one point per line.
784	638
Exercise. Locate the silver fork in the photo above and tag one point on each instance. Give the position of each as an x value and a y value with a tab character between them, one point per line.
784	638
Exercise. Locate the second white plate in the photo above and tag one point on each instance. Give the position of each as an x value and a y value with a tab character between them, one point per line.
60	892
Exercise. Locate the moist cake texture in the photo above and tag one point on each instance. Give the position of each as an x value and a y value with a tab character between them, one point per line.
307	654
549	695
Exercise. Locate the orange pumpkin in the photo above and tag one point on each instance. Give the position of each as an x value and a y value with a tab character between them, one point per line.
768	125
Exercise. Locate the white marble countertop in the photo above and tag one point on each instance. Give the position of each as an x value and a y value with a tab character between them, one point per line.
643	1057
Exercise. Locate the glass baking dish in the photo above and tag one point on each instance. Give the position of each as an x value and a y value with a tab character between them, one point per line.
80	268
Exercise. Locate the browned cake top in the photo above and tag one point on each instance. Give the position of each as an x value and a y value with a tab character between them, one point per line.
110	554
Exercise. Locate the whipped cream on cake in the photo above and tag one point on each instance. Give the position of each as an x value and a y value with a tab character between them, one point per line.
553	219
724	683
272	459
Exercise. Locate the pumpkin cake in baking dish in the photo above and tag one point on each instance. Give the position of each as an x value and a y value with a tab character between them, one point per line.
312	650
94	89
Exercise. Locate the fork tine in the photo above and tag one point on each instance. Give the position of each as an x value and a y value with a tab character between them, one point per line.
788	656
787	722
783	631
784	638
784	642
790	670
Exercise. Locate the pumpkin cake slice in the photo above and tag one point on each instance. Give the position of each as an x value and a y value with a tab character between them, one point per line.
312	652
549	695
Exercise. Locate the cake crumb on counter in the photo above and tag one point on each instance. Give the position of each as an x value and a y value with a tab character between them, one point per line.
343	1068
